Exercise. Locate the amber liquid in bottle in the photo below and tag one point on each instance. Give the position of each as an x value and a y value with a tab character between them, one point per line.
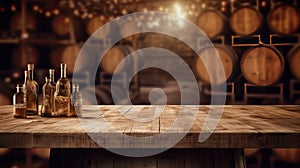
47	92
31	91
62	94
19	100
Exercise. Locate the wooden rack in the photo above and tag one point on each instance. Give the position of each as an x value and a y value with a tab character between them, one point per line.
229	91
251	40
271	95
293	90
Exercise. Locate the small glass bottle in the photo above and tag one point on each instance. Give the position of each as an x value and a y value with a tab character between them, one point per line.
62	94
19	101
31	90
52	82
47	92
76	101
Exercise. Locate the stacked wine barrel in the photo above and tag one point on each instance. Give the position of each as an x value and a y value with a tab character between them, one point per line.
262	64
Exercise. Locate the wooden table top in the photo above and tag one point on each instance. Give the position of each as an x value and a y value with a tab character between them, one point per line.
241	126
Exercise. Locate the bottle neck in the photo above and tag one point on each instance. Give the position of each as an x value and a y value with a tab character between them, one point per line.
26	76
63	73
30	77
19	89
51	77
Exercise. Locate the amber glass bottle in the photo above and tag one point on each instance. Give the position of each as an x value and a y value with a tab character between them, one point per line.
47	92
31	91
76	101
53	85
62	93
19	100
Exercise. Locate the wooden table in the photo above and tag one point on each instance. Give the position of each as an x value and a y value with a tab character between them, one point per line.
245	126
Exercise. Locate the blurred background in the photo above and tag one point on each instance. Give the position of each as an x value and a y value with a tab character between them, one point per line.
257	41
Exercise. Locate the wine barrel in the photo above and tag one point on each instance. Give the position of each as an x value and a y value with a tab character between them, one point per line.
284	19
6	93
130	27
62	25
211	22
95	23
66	54
294	61
263	65
16	22
228	57
21	59
113	58
288	155
245	20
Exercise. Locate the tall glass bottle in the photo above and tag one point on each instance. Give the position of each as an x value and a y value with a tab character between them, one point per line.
19	101
31	90
47	92
76	101
62	93
30	68
52	82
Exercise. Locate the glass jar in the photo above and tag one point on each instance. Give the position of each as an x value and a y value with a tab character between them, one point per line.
31	91
47	96
19	102
62	94
76	101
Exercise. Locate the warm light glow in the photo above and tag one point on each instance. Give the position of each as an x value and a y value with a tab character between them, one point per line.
179	11
76	12
55	12
48	14
223	3
161	8
13	8
35	8
263	3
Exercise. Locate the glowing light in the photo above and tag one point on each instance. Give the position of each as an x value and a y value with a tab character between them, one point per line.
55	12
35	8
76	12
13	8
48	14
178	10
161	8
263	3
223	3
203	5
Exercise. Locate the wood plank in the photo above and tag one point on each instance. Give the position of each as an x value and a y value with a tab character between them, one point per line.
239	126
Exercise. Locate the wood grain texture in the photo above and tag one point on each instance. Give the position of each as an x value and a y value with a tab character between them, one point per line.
262	66
247	126
245	20
284	19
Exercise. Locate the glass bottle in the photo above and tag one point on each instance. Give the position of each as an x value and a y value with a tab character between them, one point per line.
47	92
76	101
52	82
19	101
31	94
62	94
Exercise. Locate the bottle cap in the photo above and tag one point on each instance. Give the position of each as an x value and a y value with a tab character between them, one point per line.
19	85
30	67
63	65
51	71
75	86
